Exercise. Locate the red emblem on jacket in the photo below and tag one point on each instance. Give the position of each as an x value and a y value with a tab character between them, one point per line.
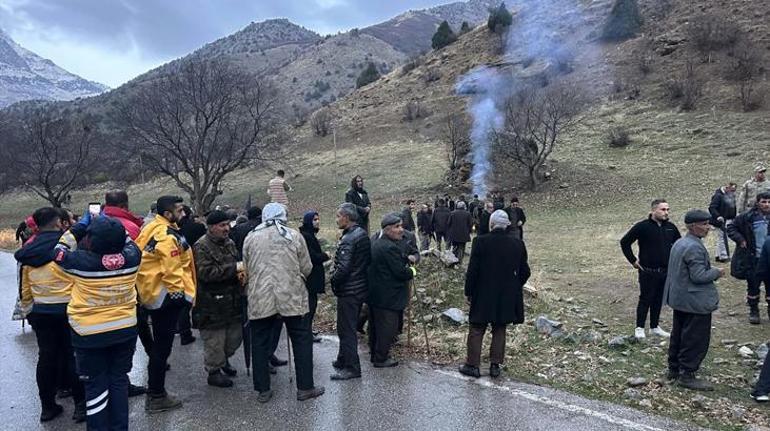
113	261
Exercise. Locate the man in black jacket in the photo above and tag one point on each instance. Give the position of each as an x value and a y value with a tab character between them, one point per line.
489	208
239	232
749	231
655	236
317	278
459	230
358	197
388	289
440	222
349	282
406	215
424	226
517	218
723	210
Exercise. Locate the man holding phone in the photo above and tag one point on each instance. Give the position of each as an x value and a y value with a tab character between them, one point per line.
166	283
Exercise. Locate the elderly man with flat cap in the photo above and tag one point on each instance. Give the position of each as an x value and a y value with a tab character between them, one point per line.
389	275
690	291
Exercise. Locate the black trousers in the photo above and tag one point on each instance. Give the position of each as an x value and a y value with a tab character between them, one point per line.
753	284
312	299
458	249
143	329
763	384
54	348
348	308
184	322
164	321
441	238
383	328
690	337
651	285
262	335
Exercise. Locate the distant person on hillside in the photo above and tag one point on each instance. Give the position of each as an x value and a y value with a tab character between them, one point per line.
440	222
407	217
459	230
749	231
655	236
752	188
277	188
358	197
723	211
690	291
424	227
496	275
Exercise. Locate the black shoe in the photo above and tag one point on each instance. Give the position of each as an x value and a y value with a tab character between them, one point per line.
385	364
470	370
310	393
186	339
672	375
754	315
337	364
63	393
689	381
345	374
50	413
219	380
494	370
136	390
229	369
264	397
272	369
274	361
79	415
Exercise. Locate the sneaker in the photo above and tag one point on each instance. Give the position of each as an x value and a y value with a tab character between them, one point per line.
229	369
345	374
79	415
135	390
754	315
265	396
50	413
494	370
163	403
216	378
274	361
761	398
689	381
470	370
385	364
310	393
660	332
639	334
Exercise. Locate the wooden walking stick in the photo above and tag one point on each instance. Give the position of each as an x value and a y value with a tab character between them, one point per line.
409	316
288	348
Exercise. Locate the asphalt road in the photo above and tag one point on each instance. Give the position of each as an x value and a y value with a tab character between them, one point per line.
413	396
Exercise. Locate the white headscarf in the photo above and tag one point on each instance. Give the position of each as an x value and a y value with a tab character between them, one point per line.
274	214
499	220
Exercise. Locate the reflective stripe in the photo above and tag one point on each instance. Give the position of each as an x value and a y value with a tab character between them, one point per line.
101	274
189	298
96	400
97	409
102	327
51	299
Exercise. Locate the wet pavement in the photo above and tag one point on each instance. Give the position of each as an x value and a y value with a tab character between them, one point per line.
412	396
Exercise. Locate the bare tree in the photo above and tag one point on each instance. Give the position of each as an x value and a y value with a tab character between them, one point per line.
456	139
535	121
413	110
321	121
710	33
686	89
745	68
47	153
201	123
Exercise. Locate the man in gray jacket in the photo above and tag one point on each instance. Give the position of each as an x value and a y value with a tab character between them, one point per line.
690	291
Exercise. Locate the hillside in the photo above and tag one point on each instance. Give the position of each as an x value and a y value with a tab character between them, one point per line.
26	76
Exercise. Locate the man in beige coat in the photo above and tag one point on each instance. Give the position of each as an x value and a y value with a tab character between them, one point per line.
277	263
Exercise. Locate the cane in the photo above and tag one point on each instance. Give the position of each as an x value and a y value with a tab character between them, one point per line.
288	348
409	316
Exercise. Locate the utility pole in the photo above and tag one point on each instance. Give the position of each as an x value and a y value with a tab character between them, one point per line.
336	169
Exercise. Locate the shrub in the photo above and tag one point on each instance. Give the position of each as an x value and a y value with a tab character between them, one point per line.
499	19
624	21
686	89
367	76
321	122
412	64
618	137
711	33
413	110
465	27
431	75
443	36
355	32
563	59
745	69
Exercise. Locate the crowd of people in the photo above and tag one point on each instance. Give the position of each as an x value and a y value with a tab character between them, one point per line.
676	271
91	286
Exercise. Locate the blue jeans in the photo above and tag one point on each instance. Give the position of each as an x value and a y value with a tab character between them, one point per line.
104	371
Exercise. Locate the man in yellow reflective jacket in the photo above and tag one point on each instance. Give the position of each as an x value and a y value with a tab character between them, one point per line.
166	283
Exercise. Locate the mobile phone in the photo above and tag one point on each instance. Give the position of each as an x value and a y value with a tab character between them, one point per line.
94	208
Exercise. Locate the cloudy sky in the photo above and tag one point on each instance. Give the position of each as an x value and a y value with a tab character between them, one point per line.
111	41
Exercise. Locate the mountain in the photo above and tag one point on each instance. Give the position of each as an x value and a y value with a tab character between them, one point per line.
26	76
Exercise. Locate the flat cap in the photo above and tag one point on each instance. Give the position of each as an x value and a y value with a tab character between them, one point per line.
696	216
390	219
216	217
760	168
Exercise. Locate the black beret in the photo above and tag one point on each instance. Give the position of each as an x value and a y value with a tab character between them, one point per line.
216	217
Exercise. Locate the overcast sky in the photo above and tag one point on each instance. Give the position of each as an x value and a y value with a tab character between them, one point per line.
112	41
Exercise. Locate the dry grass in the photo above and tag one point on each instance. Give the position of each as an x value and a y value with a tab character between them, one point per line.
8	239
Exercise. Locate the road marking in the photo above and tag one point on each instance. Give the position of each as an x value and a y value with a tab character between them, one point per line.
554	403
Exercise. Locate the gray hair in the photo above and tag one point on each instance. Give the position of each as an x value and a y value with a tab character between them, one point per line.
499	220
349	210
460	205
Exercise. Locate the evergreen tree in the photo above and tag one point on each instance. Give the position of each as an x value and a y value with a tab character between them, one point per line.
369	75
623	22
443	36
465	27
499	19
